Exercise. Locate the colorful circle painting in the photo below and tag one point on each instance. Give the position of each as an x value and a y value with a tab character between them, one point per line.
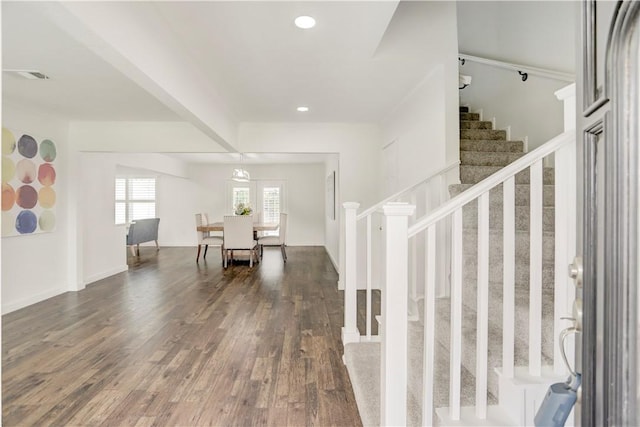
8	169
26	197
48	150
46	174
26	222
47	197
8	224
8	142
29	193
8	197
47	221
27	146
26	171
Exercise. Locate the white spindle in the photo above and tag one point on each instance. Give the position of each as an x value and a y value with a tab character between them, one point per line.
456	316
413	264
482	341
508	277
535	270
350	331
429	328
369	319
393	355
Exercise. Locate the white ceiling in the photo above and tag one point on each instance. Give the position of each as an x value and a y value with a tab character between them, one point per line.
260	63
352	67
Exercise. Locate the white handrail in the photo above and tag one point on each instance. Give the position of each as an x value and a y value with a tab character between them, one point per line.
551	74
492	181
391	198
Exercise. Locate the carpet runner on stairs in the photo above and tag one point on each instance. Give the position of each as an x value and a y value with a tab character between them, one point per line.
483	151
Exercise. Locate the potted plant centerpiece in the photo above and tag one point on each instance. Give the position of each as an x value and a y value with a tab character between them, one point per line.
243	209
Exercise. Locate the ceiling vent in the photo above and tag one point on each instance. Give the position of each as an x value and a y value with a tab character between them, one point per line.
30	74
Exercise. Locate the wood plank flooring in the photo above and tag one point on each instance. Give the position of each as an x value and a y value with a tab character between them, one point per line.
175	343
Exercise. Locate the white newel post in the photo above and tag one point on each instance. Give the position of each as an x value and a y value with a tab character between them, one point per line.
350	331
393	334
565	229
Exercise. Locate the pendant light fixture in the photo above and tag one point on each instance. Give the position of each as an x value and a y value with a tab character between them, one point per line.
240	174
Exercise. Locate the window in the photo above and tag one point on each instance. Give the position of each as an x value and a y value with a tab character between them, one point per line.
241	195
266	198
135	199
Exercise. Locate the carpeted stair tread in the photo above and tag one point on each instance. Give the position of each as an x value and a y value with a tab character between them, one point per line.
521	306
523	193
470	244
483	134
491	145
469	116
469	336
496	267
475	174
496	217
488	158
475	124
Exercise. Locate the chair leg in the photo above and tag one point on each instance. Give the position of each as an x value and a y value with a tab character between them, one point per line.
132	248
224	259
222	254
138	249
284	252
206	247
157	246
198	255
251	258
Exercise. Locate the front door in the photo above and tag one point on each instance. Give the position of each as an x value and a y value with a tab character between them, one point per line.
609	177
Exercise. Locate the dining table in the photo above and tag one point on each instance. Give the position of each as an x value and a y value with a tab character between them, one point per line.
257	226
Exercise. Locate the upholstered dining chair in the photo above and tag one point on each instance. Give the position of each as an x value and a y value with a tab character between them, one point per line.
278	240
238	235
206	239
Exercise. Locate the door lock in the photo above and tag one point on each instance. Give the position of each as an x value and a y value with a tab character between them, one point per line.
575	271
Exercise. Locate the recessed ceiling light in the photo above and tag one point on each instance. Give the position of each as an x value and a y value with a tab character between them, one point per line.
303	109
305	22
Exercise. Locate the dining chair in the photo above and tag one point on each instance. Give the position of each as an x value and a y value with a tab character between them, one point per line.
238	235
278	240
205	238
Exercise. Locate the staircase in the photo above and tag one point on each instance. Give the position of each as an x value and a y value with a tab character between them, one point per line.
489	352
484	151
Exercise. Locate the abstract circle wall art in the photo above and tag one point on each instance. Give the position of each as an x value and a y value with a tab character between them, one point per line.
29	175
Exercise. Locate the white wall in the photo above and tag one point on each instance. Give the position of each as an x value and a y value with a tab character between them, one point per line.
102	242
304	188
332	226
34	267
182	191
530	108
357	145
424	125
535	33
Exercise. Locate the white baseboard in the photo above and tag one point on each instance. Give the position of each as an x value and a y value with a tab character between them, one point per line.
17	305
333	261
104	274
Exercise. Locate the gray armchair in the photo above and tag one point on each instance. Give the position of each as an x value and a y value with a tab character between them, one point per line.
141	231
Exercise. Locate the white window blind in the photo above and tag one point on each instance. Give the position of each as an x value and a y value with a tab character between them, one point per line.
271	206
135	199
241	195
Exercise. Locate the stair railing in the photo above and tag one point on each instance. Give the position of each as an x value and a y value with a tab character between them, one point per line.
360	267
397	237
563	149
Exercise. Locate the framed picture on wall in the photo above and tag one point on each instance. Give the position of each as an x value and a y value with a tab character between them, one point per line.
331	195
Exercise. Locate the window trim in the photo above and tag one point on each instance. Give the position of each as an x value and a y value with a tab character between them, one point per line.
127	200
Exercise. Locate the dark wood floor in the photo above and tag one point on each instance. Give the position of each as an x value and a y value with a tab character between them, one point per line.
175	343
